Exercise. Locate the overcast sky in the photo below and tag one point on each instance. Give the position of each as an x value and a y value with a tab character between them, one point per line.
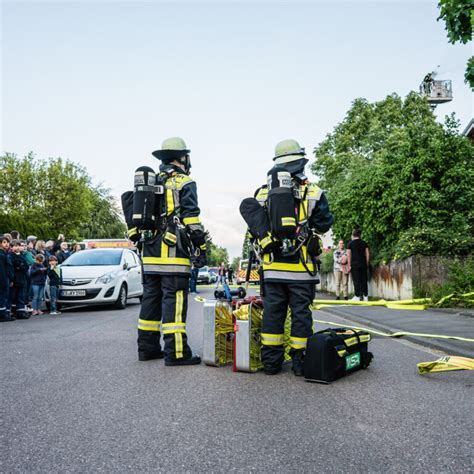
103	83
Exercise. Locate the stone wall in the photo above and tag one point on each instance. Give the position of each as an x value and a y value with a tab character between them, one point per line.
400	280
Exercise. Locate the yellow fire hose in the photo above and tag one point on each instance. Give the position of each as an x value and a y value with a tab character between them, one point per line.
398	333
445	364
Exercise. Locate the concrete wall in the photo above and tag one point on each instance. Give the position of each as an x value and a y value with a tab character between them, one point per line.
398	280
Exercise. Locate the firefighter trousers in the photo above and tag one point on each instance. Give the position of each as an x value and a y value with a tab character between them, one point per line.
278	297
164	308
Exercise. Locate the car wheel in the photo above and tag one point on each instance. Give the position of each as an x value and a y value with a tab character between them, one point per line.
121	302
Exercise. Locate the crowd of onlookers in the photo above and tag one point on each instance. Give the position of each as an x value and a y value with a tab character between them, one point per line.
25	266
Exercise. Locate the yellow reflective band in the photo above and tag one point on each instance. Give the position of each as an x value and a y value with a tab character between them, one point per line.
169	202
288	221
191	220
264	242
178	341
178	315
174	328
171	237
272	339
342	353
203	247
145	325
132	231
169	260
167	325
164	250
298	342
287	267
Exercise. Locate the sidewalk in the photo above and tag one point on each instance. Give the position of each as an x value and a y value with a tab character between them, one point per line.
428	321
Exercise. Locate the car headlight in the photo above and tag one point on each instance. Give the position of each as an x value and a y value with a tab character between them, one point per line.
107	278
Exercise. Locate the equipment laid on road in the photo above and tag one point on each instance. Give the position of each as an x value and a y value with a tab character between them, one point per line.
218	333
333	353
445	364
228	294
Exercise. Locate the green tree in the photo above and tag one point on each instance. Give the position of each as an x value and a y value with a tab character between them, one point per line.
235	264
106	221
216	254
56	194
458	16
246	246
404	179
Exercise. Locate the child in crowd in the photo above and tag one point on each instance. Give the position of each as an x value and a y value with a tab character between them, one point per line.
18	291
54	275
38	281
6	277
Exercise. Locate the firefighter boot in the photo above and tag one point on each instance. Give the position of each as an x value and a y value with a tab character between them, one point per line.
272	370
143	356
193	360
298	366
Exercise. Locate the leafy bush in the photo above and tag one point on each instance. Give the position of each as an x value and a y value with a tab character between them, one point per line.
327	261
460	282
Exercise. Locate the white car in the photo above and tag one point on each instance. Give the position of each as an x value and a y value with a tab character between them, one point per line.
100	276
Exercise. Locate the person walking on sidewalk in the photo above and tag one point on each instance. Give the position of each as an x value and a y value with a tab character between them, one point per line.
341	271
221	275
358	255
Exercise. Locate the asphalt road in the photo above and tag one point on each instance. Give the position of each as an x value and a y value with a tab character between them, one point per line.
76	399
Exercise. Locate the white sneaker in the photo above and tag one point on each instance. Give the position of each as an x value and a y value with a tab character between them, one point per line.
356	298
366	298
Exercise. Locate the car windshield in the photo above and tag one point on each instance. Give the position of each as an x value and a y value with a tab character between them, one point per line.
94	258
203	270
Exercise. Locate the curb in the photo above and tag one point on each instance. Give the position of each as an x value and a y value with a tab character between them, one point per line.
431	343
460	311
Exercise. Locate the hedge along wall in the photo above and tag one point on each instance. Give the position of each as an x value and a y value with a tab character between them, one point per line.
25	227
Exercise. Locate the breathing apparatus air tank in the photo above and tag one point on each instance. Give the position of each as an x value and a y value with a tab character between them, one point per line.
147	199
281	205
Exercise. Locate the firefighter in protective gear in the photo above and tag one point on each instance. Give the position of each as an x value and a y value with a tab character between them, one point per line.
166	258
289	279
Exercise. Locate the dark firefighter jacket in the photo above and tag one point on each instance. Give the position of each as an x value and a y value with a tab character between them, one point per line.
314	211
180	201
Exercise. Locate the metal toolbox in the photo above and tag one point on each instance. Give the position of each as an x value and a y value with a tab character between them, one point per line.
247	342
218	333
247	338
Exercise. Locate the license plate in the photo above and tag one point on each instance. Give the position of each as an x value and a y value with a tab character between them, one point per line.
73	293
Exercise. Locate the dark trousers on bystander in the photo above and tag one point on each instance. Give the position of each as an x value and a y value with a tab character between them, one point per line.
359	278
